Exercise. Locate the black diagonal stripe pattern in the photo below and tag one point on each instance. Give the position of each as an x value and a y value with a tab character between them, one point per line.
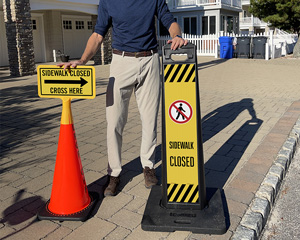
190	75
193	195
185	68
175	73
170	74
176	190
172	191
186	193
167	74
179	192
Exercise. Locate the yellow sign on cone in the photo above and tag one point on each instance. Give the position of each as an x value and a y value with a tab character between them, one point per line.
55	82
70	199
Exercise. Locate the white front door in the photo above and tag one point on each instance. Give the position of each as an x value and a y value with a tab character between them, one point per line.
38	38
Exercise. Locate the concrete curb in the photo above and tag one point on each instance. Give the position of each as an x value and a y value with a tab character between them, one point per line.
256	216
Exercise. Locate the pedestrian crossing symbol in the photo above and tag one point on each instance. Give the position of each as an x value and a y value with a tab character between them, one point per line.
180	111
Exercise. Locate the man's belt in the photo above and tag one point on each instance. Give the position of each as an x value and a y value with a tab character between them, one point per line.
135	54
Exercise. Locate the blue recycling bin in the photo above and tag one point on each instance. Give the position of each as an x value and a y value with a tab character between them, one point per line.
226	47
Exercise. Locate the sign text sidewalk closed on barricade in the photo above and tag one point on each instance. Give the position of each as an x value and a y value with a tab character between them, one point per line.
55	82
181	133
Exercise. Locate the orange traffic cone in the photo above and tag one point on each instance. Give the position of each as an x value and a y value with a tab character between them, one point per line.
70	199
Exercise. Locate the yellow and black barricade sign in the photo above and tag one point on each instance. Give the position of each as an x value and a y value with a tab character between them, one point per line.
183	178
183	204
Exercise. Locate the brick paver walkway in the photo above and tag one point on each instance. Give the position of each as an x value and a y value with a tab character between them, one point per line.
248	109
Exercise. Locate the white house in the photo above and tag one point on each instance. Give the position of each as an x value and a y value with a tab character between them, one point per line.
203	17
250	24
63	25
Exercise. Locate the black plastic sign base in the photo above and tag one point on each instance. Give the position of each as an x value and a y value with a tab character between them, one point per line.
210	220
82	215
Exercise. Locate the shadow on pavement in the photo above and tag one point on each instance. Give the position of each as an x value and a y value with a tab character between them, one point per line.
21	211
212	63
220	166
20	122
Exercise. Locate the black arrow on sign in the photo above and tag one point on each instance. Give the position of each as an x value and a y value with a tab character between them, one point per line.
82	82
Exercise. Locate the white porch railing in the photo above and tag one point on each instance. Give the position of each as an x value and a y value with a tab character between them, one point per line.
247	22
178	4
245	2
277	45
285	40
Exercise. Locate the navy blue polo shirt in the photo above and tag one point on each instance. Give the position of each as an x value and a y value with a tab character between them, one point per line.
133	22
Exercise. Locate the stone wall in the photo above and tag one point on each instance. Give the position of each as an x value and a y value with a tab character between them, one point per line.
19	35
104	54
106	49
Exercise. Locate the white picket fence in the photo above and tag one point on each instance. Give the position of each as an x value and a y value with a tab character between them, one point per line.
278	44
207	45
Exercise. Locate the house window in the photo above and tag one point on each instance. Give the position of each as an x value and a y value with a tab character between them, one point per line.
67	24
79	24
212	25
236	25
229	24
204	25
222	23
190	25
90	25
208	25
33	23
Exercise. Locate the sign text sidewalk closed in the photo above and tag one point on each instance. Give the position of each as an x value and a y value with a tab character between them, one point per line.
55	82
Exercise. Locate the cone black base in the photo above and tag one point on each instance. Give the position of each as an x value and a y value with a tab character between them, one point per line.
82	215
210	220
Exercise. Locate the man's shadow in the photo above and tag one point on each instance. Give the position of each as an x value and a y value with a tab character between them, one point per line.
222	163
212	123
220	166
215	121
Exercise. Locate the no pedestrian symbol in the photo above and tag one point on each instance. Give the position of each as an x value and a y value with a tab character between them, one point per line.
180	111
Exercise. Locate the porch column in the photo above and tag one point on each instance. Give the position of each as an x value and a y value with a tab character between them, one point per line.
19	35
104	54
97	56
106	49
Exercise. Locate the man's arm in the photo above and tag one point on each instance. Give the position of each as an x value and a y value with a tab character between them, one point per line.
176	41
91	48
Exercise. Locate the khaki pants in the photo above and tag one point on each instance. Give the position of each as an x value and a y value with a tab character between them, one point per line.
141	76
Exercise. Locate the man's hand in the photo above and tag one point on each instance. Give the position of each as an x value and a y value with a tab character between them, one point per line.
177	42
68	65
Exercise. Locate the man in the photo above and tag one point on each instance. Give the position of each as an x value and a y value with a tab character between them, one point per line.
134	68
